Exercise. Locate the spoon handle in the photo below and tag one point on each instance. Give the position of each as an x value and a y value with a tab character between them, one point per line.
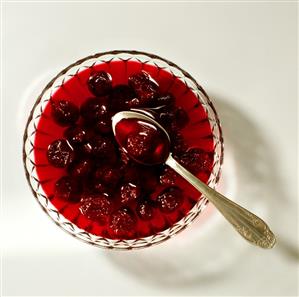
251	227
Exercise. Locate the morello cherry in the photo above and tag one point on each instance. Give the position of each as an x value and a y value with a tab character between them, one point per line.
168	177
109	175
144	211
170	199
80	168
96	208
64	112
103	147
60	153
99	186
100	83
129	192
196	160
181	118
173	119
134	103
94	109
120	97
144	142
166	118
138	144
122	223
87	148
144	86
104	125
75	135
67	188
166	99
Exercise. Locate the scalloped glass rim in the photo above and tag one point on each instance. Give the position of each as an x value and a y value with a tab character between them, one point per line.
41	102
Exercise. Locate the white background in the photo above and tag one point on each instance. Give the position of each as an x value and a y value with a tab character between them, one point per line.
244	55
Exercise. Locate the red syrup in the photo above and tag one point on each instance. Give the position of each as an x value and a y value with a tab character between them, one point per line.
100	189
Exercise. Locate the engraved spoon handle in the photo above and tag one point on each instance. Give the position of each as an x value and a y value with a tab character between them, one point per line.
251	227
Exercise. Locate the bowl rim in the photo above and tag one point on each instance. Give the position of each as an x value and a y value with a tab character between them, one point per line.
127	244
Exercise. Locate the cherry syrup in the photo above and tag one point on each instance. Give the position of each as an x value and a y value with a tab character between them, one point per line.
91	180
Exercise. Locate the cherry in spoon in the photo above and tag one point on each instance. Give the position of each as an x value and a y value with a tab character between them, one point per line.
148	143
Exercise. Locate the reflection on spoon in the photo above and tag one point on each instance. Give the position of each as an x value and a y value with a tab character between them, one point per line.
148	143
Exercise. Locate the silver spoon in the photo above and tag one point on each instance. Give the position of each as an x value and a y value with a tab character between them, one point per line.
251	227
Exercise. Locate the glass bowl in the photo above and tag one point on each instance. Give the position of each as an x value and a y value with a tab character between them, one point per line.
30	133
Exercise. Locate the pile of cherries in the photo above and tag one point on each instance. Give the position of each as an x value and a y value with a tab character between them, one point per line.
110	188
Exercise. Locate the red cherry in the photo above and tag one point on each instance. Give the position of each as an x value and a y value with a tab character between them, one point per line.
144	211
197	160
122	223
75	135
100	83
129	192
60	153
96	208
166	99
67	188
95	109
120	97
170	199
64	112
145	88
81	168
168	177
109	175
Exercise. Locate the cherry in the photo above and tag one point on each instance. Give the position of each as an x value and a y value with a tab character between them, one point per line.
122	223
81	168
144	142
102	147
166	118
144	211
75	135
166	99
67	188
87	148
94	109
135	103
138	144
60	153
120	97
129	192
108	175
145	88
98	186
100	83
96	207
64	112
170	199
173	120
168	176
196	160
104	125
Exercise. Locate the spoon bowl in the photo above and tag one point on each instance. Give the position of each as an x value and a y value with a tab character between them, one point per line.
144	140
